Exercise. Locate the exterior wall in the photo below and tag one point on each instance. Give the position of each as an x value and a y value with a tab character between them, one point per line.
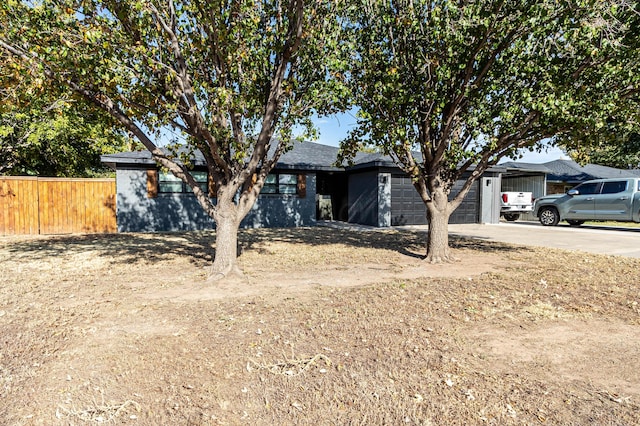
489	199
557	187
136	212
363	198
284	211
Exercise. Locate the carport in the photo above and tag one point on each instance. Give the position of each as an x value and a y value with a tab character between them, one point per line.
525	177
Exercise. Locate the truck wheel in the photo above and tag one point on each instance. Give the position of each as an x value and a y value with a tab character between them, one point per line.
575	222
511	217
549	216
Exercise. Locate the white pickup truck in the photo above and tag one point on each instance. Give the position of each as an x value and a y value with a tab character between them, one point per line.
594	200
512	204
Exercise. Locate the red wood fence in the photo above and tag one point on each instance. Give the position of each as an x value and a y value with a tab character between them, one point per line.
30	205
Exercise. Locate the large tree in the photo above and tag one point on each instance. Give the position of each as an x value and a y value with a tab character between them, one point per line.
621	153
235	77
56	138
448	88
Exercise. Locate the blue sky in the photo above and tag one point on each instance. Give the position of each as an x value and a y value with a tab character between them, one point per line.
334	128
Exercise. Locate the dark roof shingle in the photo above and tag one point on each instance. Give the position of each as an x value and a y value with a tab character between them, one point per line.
572	172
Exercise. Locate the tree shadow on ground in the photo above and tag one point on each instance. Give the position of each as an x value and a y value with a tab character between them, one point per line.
482	244
120	248
199	246
407	242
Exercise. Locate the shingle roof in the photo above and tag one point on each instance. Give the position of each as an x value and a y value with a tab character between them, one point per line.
525	167
566	171
309	156
127	158
607	172
304	155
571	172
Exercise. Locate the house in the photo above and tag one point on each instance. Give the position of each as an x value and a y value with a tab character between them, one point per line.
304	186
565	174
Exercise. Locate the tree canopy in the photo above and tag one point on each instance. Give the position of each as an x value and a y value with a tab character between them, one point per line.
621	153
232	78
60	138
449	88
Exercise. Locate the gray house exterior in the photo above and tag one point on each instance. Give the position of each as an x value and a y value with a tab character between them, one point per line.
140	207
372	191
136	211
380	194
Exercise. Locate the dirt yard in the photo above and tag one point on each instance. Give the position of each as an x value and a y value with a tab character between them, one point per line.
328	327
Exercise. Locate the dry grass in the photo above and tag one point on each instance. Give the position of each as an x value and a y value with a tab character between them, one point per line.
120	329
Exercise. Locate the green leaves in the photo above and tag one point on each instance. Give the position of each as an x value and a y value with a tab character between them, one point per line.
466	84
226	73
56	139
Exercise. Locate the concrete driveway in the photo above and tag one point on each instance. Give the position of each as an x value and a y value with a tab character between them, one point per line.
604	240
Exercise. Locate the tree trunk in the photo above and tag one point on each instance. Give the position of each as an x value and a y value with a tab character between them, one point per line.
438	213
226	255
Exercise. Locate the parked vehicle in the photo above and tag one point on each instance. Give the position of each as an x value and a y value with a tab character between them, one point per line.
594	200
512	204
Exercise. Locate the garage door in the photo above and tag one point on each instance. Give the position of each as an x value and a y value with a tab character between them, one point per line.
407	207
469	209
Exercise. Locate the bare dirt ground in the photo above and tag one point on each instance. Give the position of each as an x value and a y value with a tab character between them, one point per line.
328	327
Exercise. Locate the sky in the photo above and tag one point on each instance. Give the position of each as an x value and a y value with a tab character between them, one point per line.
334	128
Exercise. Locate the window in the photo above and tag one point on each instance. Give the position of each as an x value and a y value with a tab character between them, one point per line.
168	183
280	183
614	187
587	188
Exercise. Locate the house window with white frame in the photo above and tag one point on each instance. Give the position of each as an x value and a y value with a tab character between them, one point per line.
170	184
280	183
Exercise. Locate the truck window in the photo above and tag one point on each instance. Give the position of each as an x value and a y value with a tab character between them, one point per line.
587	188
614	187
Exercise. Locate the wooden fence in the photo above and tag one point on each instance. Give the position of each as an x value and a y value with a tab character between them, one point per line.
30	205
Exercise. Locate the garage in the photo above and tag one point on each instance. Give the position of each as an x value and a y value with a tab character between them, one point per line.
407	207
469	209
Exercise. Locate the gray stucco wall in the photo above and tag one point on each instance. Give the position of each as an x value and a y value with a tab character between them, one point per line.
136	212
